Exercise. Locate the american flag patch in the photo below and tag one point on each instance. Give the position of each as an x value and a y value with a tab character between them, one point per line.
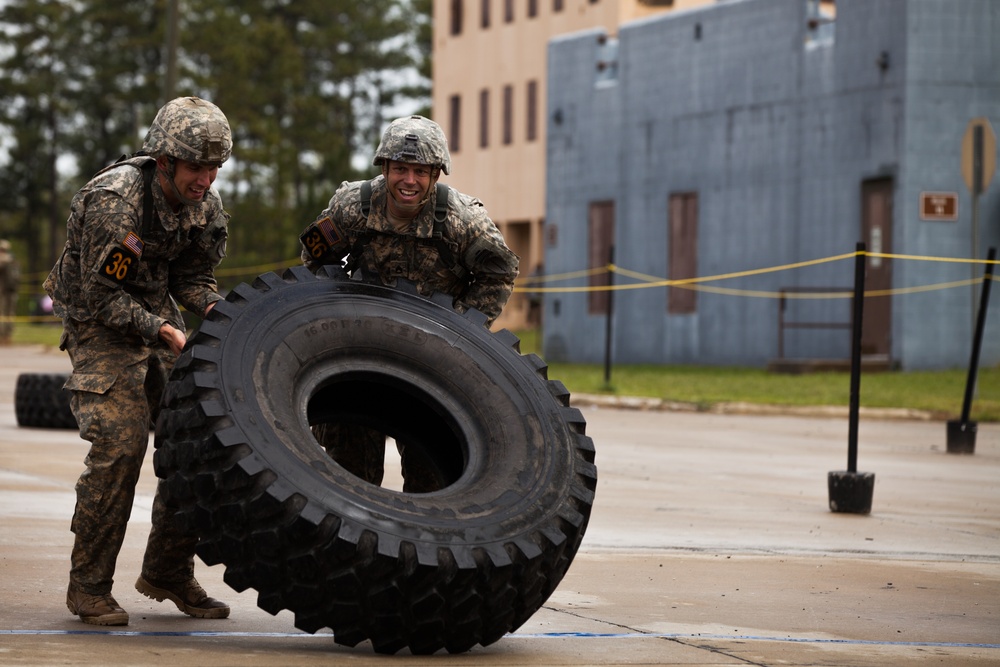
133	243
330	232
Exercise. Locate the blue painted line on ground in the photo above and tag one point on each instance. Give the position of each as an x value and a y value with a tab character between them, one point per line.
546	635
760	638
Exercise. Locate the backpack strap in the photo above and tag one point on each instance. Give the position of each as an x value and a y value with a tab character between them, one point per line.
354	256
148	168
440	208
444	250
366	198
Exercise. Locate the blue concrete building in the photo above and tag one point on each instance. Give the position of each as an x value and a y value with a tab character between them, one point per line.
753	137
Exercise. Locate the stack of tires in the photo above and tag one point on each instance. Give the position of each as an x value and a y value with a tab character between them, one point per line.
459	566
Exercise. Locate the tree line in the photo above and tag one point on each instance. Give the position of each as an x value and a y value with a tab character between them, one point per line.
306	86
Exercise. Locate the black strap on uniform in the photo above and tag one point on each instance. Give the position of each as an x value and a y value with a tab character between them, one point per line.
354	256
366	198
148	169
444	250
440	209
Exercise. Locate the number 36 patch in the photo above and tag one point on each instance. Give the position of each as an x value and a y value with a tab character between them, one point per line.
121	263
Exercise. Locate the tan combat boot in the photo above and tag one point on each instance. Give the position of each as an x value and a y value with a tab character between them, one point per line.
189	597
95	609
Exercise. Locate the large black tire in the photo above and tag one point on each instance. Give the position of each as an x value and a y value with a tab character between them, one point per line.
443	570
41	402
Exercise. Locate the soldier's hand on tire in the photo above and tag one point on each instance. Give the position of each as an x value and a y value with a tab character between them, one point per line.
174	338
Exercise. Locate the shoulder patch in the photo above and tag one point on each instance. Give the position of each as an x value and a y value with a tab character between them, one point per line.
120	264
330	231
321	237
134	243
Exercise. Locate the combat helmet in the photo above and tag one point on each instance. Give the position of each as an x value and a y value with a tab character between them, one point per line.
191	129
414	139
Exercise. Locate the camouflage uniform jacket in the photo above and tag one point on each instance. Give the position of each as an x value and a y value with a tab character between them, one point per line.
10	274
112	274
474	241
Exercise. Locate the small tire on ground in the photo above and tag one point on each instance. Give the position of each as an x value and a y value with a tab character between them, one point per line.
41	402
449	569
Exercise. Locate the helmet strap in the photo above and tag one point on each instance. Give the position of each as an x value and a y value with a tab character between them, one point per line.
170	171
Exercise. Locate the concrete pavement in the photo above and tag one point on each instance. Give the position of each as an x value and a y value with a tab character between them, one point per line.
710	544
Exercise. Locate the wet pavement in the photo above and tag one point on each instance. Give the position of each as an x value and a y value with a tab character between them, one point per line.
711	543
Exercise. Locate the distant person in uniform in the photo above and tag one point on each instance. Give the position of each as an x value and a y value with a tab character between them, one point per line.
10	279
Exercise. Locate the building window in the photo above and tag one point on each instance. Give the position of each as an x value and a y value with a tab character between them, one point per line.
532	110
682	253
532	8
606	61
484	118
454	122
820	19
557	5
508	115
601	238
456	17
486	14
508	11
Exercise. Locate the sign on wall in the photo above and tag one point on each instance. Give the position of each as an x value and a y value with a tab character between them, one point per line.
939	206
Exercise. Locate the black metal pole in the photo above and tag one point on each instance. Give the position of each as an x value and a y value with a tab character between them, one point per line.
859	296
977	189
609	318
977	341
850	490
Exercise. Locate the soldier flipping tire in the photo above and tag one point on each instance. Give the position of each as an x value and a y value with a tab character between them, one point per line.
461	565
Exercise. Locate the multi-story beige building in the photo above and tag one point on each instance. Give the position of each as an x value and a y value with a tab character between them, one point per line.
489	95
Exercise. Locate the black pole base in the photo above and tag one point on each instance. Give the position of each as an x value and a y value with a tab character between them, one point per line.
851	491
962	437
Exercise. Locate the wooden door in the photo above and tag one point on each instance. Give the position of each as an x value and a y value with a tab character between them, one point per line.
876	231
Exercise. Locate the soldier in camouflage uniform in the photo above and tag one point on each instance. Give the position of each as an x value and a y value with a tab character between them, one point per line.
141	234
10	277
404	224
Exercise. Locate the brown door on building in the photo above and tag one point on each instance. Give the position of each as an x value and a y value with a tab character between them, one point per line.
683	251
876	231
600	237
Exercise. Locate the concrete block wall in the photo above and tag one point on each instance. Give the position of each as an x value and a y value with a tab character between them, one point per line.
952	72
775	132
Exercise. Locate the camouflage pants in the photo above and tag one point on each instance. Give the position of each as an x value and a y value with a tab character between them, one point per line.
116	392
7	301
361	451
